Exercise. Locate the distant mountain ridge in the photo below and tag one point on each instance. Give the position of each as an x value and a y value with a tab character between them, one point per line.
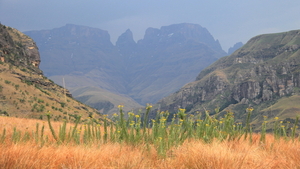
155	66
235	47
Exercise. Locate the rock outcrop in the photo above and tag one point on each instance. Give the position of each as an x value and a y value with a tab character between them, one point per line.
18	49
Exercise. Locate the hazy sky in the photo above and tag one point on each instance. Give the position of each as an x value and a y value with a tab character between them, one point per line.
229	21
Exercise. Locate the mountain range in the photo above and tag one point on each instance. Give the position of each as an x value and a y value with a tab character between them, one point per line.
140	72
263	74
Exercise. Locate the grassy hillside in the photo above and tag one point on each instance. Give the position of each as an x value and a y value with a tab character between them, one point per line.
29	95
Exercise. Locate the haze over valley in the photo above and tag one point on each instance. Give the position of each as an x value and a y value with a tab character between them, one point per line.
143	72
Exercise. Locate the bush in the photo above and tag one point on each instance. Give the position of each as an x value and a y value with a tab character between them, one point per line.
7	82
17	86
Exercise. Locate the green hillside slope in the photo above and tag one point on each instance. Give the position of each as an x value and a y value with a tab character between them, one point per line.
263	74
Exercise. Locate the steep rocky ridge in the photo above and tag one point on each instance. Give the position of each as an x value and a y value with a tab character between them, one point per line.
24	90
155	66
265	71
18	49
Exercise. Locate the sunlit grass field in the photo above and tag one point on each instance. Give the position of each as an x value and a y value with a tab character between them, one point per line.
187	141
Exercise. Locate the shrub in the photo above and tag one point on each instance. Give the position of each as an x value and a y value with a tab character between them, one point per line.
7	82
17	86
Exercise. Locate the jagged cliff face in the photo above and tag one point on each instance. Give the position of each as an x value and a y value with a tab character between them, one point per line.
260	74
74	49
169	57
18	49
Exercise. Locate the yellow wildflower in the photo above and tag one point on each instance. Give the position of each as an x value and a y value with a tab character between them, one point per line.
163	119
130	114
250	109
276	118
149	106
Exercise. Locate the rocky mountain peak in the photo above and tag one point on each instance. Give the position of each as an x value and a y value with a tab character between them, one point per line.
125	44
72	35
77	38
126	37
179	34
85	31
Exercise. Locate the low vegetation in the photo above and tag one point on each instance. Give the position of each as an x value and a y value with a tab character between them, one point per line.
188	141
29	95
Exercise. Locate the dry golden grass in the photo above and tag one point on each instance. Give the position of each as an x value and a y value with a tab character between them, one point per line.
192	154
